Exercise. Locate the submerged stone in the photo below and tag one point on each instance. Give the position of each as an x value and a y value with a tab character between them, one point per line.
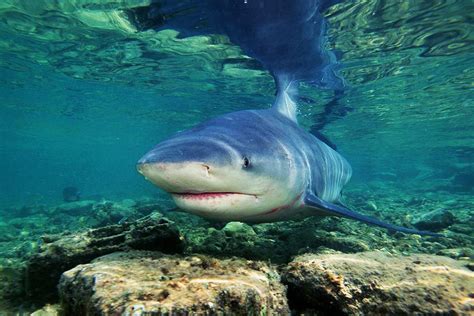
238	229
457	253
151	283
61	253
373	283
48	310
111	213
128	203
435	220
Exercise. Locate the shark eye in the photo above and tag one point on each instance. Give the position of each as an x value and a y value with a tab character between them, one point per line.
245	162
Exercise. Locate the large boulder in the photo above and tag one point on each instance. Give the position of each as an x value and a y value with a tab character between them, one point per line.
151	283
435	220
62	252
373	283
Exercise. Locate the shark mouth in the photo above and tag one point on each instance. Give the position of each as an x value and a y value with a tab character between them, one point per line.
207	195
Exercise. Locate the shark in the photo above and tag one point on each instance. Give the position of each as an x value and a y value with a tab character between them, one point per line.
258	166
255	166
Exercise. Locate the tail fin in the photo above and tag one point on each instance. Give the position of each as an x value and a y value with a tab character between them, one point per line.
287	89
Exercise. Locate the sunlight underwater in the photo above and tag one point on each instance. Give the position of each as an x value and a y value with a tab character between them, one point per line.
245	113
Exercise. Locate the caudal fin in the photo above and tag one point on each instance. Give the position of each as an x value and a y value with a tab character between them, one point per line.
313	201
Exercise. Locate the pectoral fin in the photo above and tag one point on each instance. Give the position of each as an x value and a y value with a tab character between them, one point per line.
313	201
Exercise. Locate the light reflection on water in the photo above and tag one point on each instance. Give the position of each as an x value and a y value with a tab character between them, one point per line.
78	77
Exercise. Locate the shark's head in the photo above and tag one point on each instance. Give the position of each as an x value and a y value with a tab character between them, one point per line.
230	168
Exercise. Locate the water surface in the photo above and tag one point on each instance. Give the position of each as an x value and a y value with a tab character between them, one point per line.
84	94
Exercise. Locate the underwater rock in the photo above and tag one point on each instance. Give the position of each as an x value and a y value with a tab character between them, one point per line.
151	283
237	240
147	205
373	283
238	229
61	253
107	213
415	201
435	220
76	208
7	234
11	275
48	310
470	266
457	253
128	203
276	242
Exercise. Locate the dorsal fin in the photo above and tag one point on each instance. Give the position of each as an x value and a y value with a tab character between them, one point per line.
286	91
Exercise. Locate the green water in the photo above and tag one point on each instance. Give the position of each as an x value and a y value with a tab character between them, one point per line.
83	94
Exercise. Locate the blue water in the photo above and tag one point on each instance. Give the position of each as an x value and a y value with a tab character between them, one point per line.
83	95
87	87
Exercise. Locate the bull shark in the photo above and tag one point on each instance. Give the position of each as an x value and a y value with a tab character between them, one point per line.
254	166
259	166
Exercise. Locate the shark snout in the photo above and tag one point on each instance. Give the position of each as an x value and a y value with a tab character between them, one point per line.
190	150
194	164
162	169
181	177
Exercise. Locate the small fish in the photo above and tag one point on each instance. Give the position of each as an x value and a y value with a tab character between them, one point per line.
71	194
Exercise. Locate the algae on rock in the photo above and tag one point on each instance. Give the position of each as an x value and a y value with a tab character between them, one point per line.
372	283
144	282
63	252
